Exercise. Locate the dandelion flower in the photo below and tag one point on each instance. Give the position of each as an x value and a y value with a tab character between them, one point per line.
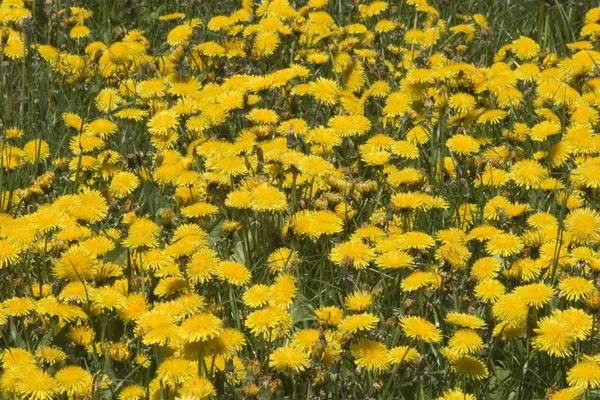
396	105
90	206
74	381
465	320
266	320
402	354
305	339
9	253
462	102
201	327
282	258
50	355
528	173
79	32
572	393
202	265
456	394
485	268
198	388
163	122
265	43
584	225
420	329
108	100
331	315
465	341
358	300
463	145
358	322
575	288
536	294
132	392
353	254
370	355
470	367
142	233
256	296
510	309
417	280
584	375
504	245
37	386
36	151
233	272
175	371
75	264
179	34
123	184
266	198
394	259
325	91
289	358
579	321
525	48
107	298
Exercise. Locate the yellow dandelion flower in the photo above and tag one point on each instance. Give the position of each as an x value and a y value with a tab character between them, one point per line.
463	144
536	294
256	296
132	392
525	48
201	327
584	225
74	381
353	254
462	102
233	272
123	184
38	385
584	375
329	315
420	329
456	394
576	288
266	198
465	341
358	322
142	233
465	320
198	388
504	245
510	309
202	265
174	371
370	355
528	173
358	300
289	359
579	321
325	91
470	367
402	354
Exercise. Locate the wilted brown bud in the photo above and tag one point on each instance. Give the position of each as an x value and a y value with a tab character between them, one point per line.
275	385
253	367
250	389
319	379
321	203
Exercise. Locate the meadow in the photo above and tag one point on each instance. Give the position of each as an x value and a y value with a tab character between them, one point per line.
299	199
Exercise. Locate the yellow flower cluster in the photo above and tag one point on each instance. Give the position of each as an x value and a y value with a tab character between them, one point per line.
282	202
